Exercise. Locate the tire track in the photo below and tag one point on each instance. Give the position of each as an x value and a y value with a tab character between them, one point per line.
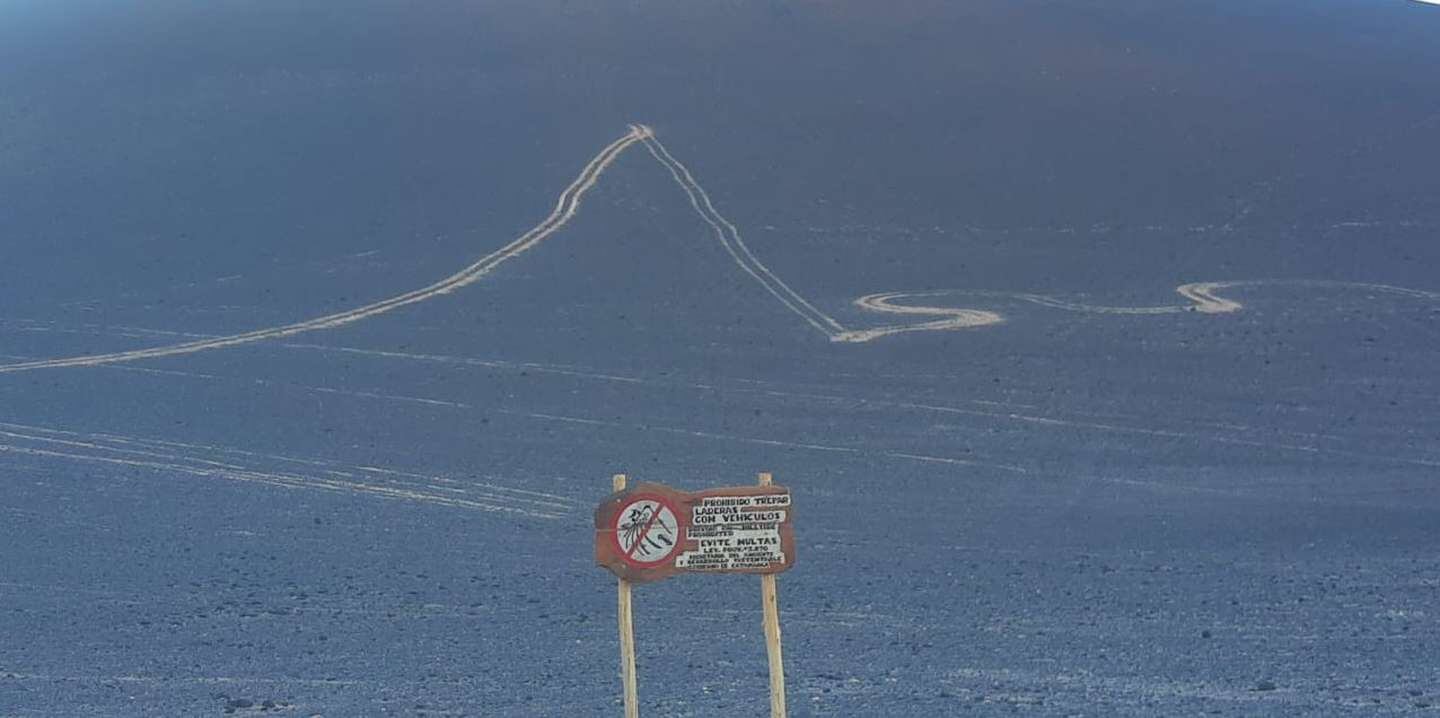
1300	442
1203	296
276	470
733	243
565	208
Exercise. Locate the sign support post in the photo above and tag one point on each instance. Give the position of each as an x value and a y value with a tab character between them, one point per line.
770	601
627	636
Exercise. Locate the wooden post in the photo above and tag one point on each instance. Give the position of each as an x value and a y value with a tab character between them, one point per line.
627	637
770	601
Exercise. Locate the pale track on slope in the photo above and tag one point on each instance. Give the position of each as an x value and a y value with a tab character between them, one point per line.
565	208
277	470
1202	295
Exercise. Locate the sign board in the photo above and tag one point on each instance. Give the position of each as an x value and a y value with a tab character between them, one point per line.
651	531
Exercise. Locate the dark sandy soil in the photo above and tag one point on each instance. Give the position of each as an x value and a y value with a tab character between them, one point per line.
1104	498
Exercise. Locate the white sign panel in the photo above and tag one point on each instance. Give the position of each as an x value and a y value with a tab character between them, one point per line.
735	532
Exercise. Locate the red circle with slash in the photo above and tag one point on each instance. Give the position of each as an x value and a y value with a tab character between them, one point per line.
647	530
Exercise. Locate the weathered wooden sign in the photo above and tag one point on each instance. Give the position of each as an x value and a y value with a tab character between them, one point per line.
651	531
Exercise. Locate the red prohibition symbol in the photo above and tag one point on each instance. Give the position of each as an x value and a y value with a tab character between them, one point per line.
647	531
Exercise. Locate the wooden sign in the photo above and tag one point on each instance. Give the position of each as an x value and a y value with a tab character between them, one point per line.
651	531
